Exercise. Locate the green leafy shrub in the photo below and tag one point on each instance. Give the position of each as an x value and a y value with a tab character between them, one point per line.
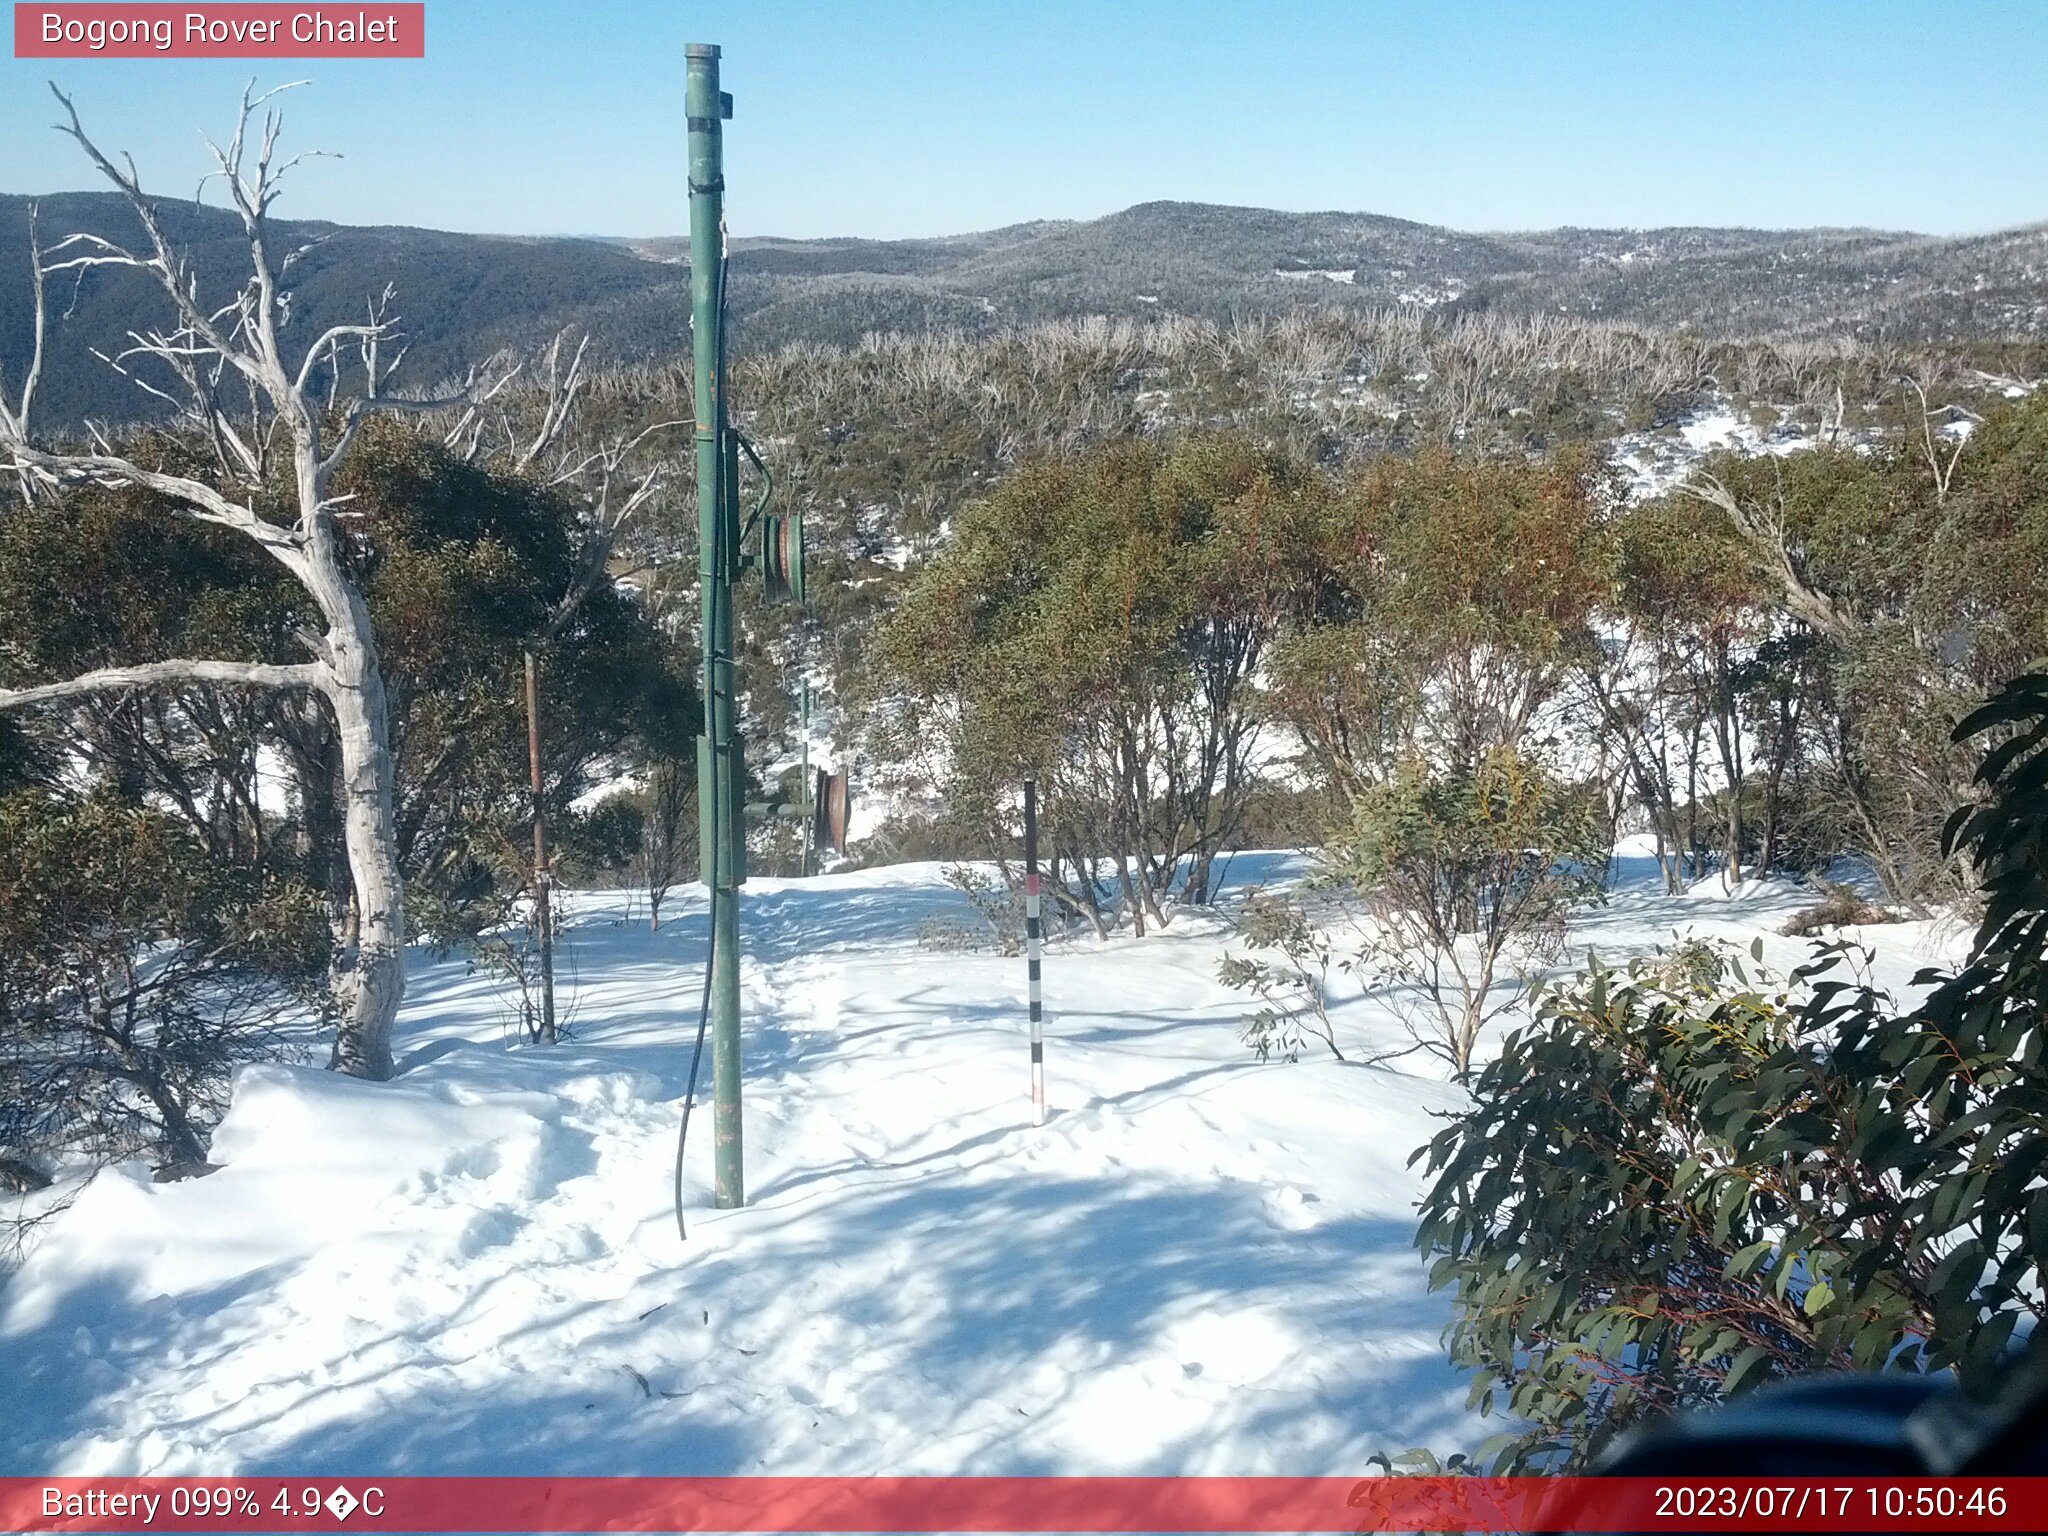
1293	988
1682	1180
135	972
1465	873
998	910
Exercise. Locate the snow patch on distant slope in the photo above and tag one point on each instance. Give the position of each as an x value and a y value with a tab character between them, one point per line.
1656	462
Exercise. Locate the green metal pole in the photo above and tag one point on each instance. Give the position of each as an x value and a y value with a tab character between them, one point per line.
718	758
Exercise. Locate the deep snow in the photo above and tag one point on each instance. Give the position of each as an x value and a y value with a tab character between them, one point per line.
1200	1264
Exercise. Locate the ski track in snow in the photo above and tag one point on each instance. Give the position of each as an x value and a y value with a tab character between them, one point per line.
1200	1264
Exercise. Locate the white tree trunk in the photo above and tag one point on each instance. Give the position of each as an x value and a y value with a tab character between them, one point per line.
241	340
376	981
353	685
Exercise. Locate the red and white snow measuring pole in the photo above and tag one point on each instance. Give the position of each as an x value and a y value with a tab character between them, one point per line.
1034	948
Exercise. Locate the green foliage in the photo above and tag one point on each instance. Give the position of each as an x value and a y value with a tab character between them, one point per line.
1483	837
1099	622
25	761
464	570
99	577
2006	836
596	847
1984	575
1495	552
1294	989
1680	570
1444	602
135	972
1614	1251
1931	558
1682	1180
1463	871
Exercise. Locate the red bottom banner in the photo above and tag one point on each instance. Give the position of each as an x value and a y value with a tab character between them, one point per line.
1023	1504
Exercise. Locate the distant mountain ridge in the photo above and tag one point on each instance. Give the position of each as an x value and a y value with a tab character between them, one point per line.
464	295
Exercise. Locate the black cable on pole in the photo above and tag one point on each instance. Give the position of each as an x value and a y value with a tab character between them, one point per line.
696	1059
711	909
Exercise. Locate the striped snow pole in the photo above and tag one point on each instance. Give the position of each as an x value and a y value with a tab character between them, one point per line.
1034	948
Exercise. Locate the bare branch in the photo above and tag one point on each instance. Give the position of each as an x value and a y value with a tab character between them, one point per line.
1765	527
561	398
1943	469
199	500
367	406
117	253
136	379
2008	384
607	519
609	458
330	340
14	417
159	674
171	273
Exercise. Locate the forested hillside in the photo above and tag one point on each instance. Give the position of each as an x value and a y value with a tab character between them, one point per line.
461	293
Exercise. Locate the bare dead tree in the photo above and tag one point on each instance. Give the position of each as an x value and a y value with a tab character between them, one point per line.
2008	384
215	353
14	414
1942	466
534	431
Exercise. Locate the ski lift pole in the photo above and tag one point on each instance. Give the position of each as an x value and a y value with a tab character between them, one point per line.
1034	949
718	757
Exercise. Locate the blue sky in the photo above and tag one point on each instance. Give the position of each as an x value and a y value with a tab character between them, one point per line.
904	117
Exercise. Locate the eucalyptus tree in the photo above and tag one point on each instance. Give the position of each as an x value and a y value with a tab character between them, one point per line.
1101	622
1915	577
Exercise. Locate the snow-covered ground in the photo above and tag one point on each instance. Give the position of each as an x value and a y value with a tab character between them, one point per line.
1200	1264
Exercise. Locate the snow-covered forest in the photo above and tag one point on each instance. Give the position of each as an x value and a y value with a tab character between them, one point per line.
1540	821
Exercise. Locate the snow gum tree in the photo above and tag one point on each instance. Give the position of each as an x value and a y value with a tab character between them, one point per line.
1453	599
1911	578
1101	622
1691	612
278	427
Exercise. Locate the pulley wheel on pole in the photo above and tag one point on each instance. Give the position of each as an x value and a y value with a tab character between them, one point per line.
782	556
834	802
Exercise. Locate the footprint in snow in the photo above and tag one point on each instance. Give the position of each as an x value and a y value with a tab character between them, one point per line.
1288	1209
489	1229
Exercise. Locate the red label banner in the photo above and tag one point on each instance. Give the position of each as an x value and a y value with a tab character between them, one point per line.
371	30
1023	1504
